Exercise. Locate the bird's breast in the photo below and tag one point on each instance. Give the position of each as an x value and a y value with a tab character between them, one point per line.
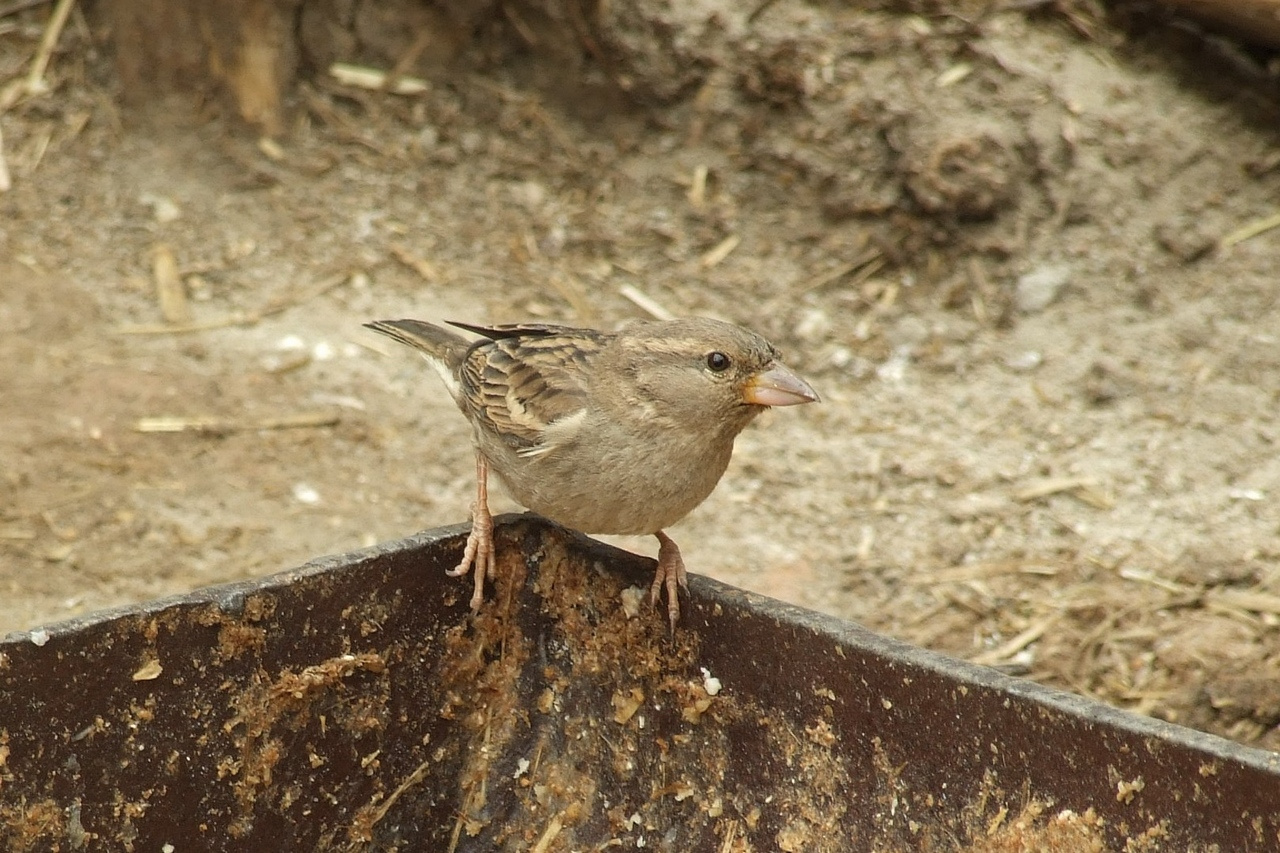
615	483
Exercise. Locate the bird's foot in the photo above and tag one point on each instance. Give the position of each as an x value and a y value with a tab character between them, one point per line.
671	574
478	556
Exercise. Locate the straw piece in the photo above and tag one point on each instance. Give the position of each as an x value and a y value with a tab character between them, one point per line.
213	423
53	30
698	188
360	77
5	182
170	292
720	251
549	835
1017	643
1243	599
414	778
1253	229
417	263
1053	486
645	303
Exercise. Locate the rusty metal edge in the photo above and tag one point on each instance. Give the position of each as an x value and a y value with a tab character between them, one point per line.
707	592
850	635
1051	741
230	597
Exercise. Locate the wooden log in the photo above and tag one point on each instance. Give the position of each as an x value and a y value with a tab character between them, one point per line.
242	51
1254	21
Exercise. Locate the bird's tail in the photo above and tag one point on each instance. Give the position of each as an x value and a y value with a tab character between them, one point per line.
437	344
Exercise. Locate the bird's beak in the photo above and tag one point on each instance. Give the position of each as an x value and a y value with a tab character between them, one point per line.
778	386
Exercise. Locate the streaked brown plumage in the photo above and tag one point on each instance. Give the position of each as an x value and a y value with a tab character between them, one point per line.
603	432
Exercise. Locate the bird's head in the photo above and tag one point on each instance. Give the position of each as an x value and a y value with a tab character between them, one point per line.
703	372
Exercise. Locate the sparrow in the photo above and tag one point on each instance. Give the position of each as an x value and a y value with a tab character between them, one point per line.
604	432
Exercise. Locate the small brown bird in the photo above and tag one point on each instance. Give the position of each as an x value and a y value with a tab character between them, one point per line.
603	432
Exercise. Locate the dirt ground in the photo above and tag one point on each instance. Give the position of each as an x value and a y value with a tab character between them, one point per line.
1004	248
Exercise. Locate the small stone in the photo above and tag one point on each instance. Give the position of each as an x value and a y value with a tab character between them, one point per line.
1024	362
710	683
163	209
1038	289
1186	239
305	494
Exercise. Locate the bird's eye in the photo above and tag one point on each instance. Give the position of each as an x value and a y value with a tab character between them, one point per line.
718	362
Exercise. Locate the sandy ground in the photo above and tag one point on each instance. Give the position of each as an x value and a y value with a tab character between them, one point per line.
1048	435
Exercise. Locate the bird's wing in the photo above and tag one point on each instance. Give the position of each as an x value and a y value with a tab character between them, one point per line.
527	380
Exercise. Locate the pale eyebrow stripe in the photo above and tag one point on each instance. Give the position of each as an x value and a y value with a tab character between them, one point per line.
678	346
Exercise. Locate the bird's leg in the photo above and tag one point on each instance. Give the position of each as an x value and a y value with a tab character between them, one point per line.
478	554
672	575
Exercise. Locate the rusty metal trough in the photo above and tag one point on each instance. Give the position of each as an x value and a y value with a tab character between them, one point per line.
353	704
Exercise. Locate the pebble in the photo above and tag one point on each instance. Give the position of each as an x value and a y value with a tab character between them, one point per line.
1023	362
1038	289
305	494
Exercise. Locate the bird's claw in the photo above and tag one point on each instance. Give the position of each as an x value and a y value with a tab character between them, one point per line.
478	555
671	574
